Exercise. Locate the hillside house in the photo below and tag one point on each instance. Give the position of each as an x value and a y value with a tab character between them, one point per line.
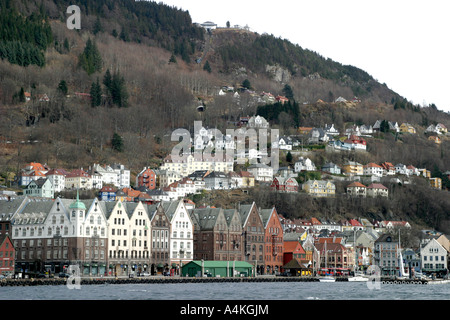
40	188
331	130
407	128
357	189
389	168
373	169
353	168
304	165
261	172
331	168
377	190
319	188
147	178
318	135
354	142
286	184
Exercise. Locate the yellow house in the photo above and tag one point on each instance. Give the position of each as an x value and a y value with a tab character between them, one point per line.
319	188
436	183
353	168
407	128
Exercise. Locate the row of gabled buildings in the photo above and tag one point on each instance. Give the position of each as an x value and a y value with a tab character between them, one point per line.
121	238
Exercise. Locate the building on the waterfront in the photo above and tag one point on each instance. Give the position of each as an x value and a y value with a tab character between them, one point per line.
51	235
253	230
433	257
386	254
199	268
160	239
7	255
217	234
182	233
273	247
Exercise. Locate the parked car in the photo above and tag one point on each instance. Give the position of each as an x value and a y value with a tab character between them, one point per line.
144	274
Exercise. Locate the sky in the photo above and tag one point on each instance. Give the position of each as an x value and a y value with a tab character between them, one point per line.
403	44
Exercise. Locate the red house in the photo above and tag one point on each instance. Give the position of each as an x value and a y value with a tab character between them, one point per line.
7	255
146	178
284	184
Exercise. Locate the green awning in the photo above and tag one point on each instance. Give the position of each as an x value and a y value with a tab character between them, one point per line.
160	265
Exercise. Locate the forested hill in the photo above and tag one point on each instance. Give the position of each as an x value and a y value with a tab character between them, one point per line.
131	21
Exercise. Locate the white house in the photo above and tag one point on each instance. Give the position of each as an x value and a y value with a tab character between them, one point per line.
373	169
331	130
261	172
433	256
304	165
57	178
181	232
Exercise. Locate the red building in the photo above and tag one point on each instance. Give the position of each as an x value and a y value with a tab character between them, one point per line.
7	255
147	178
273	246
285	184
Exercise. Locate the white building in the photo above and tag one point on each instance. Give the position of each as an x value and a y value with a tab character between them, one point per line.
261	172
182	232
304	165
190	165
57	178
433	256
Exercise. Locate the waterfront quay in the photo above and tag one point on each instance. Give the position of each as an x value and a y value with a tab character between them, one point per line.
167	280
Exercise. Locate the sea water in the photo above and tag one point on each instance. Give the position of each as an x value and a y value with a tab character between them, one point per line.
230	291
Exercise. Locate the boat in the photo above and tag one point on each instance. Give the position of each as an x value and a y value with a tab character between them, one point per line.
327	279
359	277
401	267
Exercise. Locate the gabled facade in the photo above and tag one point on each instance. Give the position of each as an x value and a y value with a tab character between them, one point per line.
40	188
319	188
160	239
433	257
7	255
357	189
377	190
253	229
181	233
285	184
147	178
273	255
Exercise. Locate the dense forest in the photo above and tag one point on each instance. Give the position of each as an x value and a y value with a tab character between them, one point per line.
120	85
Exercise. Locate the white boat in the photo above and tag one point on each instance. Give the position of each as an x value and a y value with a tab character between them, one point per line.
358	278
327	279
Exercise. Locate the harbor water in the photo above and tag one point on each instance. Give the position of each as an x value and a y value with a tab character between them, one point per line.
230	291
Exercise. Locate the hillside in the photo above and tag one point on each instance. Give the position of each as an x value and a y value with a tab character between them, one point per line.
133	72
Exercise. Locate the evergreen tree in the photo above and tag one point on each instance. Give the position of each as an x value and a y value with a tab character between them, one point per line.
289	157
96	94
62	87
117	142
90	60
172	59
246	84
287	91
207	67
